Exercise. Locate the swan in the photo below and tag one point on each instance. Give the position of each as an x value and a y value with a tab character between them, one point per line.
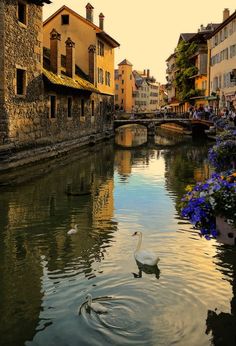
97	307
144	256
73	230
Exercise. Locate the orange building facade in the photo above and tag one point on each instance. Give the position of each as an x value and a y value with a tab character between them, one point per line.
94	51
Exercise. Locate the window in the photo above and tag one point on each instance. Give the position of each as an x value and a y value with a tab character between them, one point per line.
107	78
100	76
82	107
92	106
22	12
117	86
232	51
38	57
52	99
130	77
20	81
122	90
101	108
100	48
65	19
225	32
122	81
69	107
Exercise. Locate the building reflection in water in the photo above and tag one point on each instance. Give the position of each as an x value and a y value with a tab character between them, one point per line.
167	138
34	221
222	325
131	136
184	167
37	257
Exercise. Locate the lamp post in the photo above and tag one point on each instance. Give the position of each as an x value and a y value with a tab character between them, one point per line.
217	100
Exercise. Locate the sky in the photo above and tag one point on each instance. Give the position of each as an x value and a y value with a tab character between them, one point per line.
148	31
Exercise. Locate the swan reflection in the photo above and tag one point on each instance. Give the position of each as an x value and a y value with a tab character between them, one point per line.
147	269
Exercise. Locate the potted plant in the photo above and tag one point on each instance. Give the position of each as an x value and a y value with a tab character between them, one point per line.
207	203
223	154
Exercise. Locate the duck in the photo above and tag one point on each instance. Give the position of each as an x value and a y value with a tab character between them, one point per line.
96	307
73	230
145	257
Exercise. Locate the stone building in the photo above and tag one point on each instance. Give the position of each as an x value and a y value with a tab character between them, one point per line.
147	92
47	103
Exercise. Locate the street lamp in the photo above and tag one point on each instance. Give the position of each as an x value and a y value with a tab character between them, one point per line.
217	100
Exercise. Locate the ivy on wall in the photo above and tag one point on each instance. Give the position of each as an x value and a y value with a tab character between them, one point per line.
185	70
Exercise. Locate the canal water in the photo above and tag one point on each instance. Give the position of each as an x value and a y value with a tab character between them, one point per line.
46	274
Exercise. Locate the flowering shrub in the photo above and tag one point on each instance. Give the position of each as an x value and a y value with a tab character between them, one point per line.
204	201
226	135
223	155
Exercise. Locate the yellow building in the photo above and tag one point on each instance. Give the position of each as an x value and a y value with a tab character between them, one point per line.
135	91
94	52
124	86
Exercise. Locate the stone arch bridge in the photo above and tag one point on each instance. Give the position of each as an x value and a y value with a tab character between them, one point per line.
190	126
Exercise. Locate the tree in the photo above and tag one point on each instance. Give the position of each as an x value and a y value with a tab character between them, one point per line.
185	70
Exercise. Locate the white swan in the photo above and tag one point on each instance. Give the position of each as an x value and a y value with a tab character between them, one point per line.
73	230
144	256
97	307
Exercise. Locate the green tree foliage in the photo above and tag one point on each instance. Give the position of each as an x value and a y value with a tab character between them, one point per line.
185	70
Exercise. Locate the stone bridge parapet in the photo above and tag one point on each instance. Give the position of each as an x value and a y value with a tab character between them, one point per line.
151	124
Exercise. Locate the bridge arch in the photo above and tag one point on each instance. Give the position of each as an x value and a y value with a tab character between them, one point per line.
197	126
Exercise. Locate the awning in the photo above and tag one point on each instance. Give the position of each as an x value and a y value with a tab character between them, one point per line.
174	104
65	81
212	98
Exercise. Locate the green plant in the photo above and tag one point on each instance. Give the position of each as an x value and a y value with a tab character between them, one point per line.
186	69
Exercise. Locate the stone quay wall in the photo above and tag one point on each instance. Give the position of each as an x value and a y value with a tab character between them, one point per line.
3	116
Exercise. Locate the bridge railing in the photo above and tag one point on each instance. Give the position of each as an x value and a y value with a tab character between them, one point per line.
162	115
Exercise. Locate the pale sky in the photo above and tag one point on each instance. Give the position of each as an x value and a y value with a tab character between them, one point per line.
148	30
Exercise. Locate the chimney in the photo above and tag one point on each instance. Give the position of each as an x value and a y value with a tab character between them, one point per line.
148	73
101	21
55	52
144	72
92	51
70	58
225	14
89	12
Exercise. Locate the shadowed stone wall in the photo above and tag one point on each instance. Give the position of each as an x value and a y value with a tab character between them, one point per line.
23	49
3	116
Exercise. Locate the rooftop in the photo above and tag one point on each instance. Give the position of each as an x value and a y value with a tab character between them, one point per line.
125	62
65	81
102	34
